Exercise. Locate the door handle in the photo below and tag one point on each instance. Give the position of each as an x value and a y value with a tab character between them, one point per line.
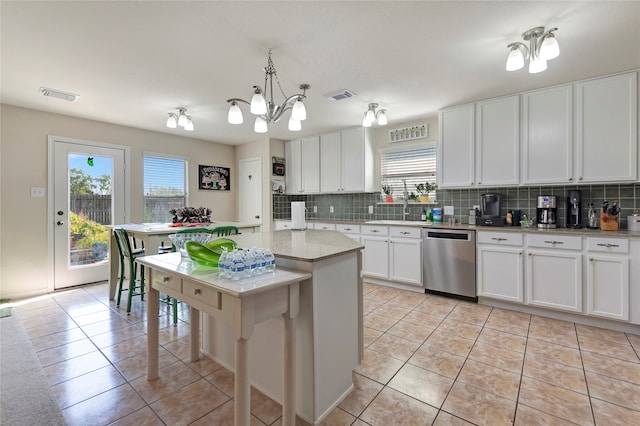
60	223
257	216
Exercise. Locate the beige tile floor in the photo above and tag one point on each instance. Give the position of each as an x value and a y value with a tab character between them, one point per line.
428	360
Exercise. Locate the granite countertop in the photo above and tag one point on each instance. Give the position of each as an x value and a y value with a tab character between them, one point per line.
309	245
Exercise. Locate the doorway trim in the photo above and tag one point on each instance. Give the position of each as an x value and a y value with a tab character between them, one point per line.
51	140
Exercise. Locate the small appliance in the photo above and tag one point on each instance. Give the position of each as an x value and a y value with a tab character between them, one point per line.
490	205
574	209
547	211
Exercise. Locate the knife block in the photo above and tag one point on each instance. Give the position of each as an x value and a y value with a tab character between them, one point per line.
608	222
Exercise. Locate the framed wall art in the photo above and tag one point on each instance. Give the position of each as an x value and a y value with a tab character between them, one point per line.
214	178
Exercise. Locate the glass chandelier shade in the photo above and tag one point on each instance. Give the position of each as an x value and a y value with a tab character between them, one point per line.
266	110
543	46
371	116
181	119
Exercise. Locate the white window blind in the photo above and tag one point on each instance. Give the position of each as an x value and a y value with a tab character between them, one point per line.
414	165
164	187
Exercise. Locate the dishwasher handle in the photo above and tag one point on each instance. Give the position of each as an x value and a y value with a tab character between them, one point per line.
447	235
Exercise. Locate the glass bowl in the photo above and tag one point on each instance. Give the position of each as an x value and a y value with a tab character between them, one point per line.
178	240
526	223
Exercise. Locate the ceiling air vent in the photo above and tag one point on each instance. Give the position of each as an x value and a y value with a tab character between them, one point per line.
340	95
52	93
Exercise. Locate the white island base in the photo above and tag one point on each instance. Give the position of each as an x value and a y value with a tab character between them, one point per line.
328	338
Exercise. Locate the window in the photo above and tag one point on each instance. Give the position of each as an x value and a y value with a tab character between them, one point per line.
165	187
414	164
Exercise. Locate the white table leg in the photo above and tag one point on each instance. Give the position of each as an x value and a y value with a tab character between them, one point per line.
242	390
153	324
194	334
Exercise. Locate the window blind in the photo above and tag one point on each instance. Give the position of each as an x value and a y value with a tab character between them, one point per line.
164	187
414	165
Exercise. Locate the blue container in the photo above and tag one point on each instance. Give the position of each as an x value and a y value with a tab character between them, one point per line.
437	214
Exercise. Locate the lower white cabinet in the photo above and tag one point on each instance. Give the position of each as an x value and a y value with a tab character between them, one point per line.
500	266
280	225
608	278
392	253
554	272
350	230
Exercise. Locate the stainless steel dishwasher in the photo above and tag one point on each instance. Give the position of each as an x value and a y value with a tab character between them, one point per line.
449	262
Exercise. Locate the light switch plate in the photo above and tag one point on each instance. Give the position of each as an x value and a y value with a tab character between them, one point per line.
330	209
37	191
448	210
370	209
315	209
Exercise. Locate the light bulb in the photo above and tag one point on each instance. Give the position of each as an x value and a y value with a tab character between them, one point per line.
299	112
294	125
235	114
382	117
172	122
365	121
370	116
537	65
549	48
189	125
260	126
515	60
182	119
258	104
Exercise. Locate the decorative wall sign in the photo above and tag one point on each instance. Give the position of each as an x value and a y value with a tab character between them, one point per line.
214	178
278	168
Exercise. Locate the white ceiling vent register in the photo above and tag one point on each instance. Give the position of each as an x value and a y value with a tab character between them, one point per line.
52	93
340	95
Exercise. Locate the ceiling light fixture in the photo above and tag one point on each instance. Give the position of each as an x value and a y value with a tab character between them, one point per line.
268	111
181	119
371	116
543	46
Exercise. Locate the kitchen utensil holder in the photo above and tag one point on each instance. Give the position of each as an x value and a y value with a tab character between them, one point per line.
609	222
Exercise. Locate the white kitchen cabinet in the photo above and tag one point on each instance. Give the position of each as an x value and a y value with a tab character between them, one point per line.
608	278
498	142
456	150
347	161
280	225
392	253
324	226
303	165
350	230
554	272
500	266
547	136
607	129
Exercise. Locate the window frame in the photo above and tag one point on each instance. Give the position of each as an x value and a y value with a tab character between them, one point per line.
159	155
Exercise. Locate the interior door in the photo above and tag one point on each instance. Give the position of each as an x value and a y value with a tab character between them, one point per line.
250	188
88	195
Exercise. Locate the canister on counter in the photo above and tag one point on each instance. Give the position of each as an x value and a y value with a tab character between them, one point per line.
437	214
516	215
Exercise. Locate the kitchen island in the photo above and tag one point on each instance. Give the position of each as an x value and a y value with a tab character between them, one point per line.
329	341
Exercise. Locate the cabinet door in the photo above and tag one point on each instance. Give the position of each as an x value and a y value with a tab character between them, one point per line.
293	177
456	149
310	164
607	129
608	286
405	257
500	273
330	162
554	279
547	136
375	257
353	160
498	141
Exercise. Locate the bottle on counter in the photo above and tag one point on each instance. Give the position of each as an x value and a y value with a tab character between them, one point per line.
269	261
423	216
592	219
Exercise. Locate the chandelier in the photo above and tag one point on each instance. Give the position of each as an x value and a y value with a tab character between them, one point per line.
181	119
371	116
543	46
268	111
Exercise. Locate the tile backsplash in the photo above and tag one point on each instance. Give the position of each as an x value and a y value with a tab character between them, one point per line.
355	207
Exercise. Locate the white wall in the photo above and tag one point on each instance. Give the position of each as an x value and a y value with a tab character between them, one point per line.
23	158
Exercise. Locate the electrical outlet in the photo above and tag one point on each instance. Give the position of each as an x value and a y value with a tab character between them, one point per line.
315	209
330	209
370	209
448	210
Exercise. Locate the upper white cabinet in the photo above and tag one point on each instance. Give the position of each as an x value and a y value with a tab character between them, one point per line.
346	161
607	129
303	165
547	136
456	149
498	142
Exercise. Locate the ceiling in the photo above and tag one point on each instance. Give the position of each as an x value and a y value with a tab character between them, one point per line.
133	62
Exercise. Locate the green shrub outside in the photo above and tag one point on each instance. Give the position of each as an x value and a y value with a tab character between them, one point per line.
91	232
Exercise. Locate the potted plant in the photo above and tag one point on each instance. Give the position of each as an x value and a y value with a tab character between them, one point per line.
413	196
424	189
388	193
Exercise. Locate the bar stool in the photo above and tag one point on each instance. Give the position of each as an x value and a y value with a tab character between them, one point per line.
136	285
223	231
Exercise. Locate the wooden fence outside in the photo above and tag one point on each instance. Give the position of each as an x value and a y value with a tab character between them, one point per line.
94	207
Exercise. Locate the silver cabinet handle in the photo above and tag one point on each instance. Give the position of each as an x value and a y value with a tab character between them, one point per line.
607	245
498	239
374	230
197	291
554	242
405	233
347	229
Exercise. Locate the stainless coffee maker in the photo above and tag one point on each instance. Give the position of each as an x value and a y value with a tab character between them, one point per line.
547	211
574	209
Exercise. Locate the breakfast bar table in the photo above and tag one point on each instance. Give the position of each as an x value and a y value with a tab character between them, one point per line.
241	303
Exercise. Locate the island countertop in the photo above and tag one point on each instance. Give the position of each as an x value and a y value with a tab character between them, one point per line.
309	245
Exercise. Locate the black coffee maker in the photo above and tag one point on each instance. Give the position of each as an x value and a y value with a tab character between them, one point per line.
490	205
574	209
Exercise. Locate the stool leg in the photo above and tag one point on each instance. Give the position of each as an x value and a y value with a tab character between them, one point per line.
121	281
132	283
142	282
175	311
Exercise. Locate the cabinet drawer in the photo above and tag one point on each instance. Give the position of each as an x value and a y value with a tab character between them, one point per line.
608	245
348	228
203	293
563	242
324	226
282	224
405	232
374	230
164	280
501	238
